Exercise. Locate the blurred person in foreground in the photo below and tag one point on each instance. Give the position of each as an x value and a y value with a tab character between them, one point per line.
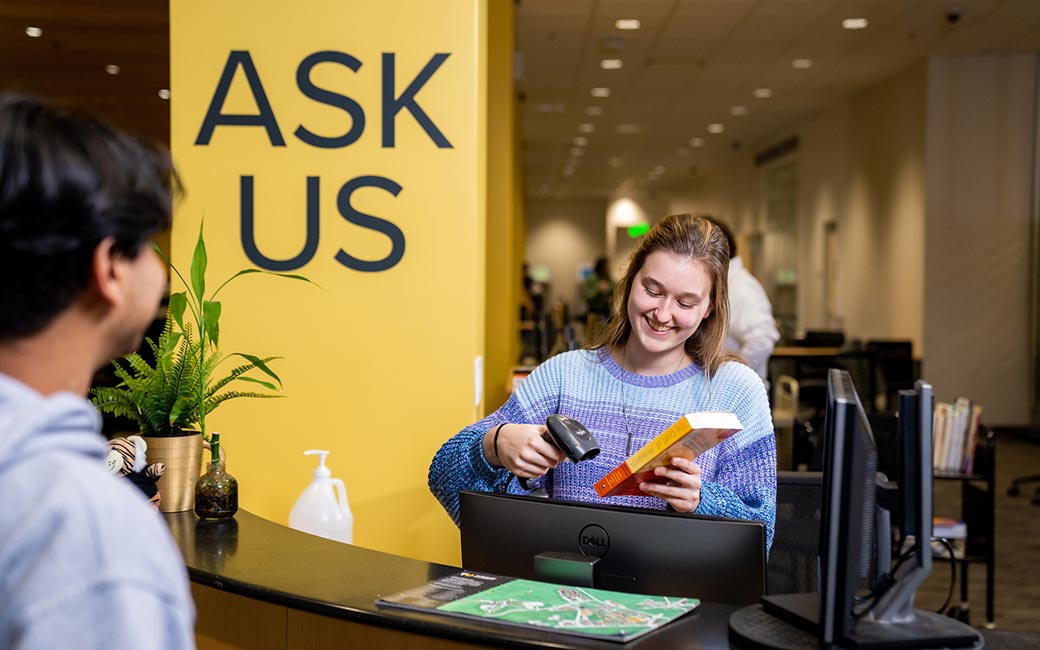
84	561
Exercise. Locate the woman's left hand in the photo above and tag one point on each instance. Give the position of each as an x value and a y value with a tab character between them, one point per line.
682	490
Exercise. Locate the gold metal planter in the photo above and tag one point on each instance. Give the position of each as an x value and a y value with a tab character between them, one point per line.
182	456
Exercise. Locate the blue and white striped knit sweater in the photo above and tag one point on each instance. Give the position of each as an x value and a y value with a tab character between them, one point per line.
739	474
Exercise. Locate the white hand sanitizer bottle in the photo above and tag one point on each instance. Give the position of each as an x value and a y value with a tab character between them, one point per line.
322	509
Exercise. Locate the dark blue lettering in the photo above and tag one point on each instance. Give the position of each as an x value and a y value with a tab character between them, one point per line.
373	223
214	117
393	105
248	231
307	87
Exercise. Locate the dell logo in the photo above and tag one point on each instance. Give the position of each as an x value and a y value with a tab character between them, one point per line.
593	540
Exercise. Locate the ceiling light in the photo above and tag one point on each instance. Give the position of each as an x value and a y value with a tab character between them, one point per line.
628	129
855	23
762	93
112	68
33	32
716	127
738	110
696	142
581	141
586	127
577	151
594	110
627	23
610	64
600	91
801	64
164	93
550	108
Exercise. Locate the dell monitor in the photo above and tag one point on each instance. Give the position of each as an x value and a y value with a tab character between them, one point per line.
859	604
625	549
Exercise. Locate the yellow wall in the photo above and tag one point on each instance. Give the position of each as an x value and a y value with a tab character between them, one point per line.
503	266
379	366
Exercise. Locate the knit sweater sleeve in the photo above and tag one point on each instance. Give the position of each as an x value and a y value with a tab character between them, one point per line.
460	463
744	484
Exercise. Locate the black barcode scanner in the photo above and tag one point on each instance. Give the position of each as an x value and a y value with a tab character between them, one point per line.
569	436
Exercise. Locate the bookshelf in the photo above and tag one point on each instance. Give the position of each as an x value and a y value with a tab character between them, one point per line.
977	510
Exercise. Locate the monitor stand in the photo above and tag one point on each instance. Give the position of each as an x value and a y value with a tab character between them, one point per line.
790	622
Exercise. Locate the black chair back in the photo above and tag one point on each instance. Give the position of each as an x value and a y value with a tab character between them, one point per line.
791	567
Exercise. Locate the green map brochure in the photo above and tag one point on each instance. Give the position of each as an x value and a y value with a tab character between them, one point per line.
582	611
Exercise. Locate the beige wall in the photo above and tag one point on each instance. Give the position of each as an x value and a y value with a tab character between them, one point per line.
564	235
980	134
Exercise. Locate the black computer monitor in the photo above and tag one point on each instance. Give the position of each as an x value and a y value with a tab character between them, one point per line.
858	605
639	551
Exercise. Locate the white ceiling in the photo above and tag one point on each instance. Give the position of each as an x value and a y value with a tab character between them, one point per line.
693	60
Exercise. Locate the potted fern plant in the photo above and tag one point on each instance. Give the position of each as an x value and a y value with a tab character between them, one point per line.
189	376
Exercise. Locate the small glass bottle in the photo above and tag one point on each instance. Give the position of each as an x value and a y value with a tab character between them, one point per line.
216	491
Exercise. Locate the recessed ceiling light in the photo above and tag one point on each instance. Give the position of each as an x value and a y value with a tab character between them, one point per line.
610	64
164	93
577	151
696	142
586	127
112	68
628	129
547	107
594	110
762	93
627	23
581	141
738	110
801	64
716	127
855	23
33	32
600	91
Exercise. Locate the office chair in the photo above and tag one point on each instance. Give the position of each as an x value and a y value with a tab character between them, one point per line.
893	369
1014	490
791	568
785	419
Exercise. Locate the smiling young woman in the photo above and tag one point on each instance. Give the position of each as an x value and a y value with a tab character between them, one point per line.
659	357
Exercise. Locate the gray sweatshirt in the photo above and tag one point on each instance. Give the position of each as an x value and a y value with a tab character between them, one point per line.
84	561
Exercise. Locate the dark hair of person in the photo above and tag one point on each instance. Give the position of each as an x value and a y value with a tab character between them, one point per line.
697	239
729	236
67	182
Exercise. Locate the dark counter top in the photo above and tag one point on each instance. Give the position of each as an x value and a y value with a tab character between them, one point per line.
262	560
266	561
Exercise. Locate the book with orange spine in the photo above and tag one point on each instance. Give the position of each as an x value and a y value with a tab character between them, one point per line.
690	436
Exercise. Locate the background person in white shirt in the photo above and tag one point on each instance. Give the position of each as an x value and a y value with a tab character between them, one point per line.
752	329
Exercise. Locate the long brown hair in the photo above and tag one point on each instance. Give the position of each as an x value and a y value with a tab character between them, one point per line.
699	239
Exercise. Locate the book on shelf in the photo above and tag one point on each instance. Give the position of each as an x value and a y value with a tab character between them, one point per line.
581	611
955	435
949	528
689	437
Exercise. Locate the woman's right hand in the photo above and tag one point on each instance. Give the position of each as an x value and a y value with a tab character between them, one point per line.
522	450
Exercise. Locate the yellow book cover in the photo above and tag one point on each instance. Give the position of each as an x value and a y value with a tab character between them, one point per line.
690	436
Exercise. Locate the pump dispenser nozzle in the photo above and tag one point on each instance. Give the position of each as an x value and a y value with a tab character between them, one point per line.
321	471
